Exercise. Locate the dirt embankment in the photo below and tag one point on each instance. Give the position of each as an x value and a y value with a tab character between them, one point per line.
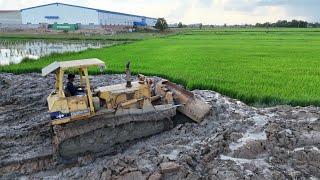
235	142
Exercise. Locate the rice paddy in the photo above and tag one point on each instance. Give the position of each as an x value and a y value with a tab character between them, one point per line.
257	66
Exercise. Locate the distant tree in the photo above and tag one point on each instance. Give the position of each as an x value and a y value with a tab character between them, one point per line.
303	24
294	23
225	25
180	25
161	24
284	23
200	25
267	24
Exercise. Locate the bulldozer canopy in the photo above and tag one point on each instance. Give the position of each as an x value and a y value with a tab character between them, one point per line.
72	64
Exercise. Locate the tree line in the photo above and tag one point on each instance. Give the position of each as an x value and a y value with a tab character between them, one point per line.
162	24
289	24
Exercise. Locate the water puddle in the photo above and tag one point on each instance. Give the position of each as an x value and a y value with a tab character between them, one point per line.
254	133
13	52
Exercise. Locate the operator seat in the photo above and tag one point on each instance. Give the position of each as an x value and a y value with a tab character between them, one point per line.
67	92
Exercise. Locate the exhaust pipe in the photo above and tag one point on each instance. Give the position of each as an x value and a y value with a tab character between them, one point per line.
128	75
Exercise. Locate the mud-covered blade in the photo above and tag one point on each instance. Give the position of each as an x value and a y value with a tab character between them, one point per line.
193	107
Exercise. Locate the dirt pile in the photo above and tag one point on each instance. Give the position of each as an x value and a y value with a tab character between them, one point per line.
235	142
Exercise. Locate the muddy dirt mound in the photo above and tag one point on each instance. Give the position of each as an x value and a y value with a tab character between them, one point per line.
235	142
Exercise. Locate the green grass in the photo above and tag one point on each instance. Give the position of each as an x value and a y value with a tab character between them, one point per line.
257	66
77	36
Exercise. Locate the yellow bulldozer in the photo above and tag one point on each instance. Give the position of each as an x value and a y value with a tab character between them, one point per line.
94	120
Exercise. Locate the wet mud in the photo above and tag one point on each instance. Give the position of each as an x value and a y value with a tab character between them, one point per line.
235	141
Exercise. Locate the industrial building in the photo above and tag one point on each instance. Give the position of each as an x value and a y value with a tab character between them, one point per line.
10	17
61	13
64	13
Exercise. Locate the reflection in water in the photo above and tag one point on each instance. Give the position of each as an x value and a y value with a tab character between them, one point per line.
13	52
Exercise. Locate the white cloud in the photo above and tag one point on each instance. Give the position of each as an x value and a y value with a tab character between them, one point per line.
194	11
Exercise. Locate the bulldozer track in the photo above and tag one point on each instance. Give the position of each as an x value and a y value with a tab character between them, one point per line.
64	134
28	166
71	130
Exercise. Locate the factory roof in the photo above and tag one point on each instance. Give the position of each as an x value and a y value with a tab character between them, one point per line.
6	11
99	10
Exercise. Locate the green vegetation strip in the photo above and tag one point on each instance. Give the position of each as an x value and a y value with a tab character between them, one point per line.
80	36
258	67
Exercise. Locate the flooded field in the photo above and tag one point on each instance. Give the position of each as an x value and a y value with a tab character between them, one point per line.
13	52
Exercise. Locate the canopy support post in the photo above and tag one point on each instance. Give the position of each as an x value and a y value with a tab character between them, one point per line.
85	70
60	83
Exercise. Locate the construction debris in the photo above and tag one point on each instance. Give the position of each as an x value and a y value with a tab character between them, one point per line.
169	167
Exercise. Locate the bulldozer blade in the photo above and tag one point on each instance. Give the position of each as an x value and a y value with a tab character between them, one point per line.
193	107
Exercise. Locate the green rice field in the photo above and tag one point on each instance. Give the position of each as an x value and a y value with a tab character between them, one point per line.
258	66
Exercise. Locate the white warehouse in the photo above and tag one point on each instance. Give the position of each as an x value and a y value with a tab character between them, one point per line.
64	13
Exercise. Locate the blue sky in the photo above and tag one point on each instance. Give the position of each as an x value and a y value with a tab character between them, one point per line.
194	11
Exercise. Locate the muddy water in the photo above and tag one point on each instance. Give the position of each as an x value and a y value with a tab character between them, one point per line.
13	52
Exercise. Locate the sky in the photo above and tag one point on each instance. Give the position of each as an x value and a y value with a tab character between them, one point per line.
197	11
